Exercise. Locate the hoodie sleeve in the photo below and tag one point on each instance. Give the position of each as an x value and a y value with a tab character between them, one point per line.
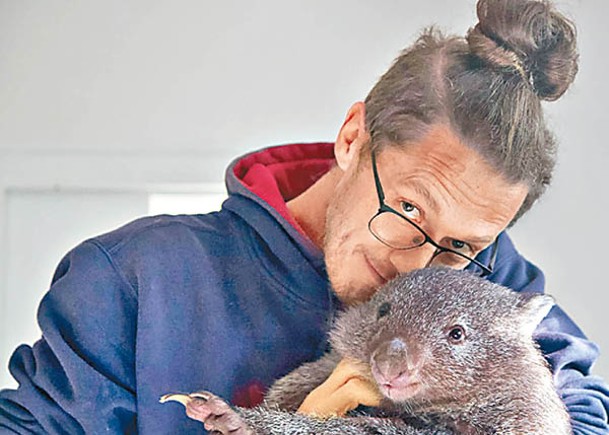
567	350
79	377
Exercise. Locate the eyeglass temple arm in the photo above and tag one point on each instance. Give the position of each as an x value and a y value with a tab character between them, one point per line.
377	181
494	252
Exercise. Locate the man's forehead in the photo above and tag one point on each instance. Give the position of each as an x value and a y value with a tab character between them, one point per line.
452	179
440	150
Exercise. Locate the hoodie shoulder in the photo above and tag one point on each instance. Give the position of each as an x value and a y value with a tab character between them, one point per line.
162	226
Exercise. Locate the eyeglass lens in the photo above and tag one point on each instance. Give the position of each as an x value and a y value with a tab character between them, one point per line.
398	233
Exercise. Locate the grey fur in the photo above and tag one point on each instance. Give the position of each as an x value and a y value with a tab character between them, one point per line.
494	381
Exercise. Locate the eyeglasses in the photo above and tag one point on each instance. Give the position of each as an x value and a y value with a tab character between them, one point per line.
395	230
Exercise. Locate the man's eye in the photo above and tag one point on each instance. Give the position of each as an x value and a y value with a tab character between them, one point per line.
461	247
458	244
409	210
450	259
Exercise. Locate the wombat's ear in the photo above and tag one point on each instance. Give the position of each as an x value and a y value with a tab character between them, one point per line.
535	307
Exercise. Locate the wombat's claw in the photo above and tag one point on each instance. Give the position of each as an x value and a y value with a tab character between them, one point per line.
181	398
216	414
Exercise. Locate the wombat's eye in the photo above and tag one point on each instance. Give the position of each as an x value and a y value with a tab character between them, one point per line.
384	309
456	334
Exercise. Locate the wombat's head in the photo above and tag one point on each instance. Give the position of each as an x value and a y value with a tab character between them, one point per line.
442	335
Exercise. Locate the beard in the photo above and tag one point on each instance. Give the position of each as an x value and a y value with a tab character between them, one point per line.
341	255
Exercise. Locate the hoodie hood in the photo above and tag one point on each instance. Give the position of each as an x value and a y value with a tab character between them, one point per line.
274	175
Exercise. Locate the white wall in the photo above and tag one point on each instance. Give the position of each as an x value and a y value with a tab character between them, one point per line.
146	96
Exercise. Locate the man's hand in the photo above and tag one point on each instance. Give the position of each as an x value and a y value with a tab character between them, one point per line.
345	389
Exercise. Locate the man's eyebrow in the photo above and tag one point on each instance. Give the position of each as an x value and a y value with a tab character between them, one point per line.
480	240
423	191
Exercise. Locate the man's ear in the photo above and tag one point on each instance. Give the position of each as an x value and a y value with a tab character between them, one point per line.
351	136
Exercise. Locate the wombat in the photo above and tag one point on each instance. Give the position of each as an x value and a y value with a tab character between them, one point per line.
449	351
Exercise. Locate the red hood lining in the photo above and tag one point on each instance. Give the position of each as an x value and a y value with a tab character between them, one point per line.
281	173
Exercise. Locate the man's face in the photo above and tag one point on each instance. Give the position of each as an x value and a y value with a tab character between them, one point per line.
439	183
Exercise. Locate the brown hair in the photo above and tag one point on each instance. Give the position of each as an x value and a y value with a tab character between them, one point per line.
487	87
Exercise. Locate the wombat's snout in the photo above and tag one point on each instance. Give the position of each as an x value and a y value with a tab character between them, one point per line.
394	367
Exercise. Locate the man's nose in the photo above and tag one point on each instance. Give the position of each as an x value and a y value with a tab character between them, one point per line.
411	259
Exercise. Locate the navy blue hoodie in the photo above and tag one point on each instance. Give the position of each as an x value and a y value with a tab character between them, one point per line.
226	302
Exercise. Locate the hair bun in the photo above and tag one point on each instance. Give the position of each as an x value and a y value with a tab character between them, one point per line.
530	38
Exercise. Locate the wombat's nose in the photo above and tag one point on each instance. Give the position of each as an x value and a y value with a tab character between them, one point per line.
390	363
397	346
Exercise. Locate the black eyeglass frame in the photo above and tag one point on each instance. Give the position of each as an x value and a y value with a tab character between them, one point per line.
384	208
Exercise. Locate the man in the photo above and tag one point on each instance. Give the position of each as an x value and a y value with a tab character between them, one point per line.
442	157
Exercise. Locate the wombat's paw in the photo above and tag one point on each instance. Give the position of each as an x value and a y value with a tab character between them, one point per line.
216	415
